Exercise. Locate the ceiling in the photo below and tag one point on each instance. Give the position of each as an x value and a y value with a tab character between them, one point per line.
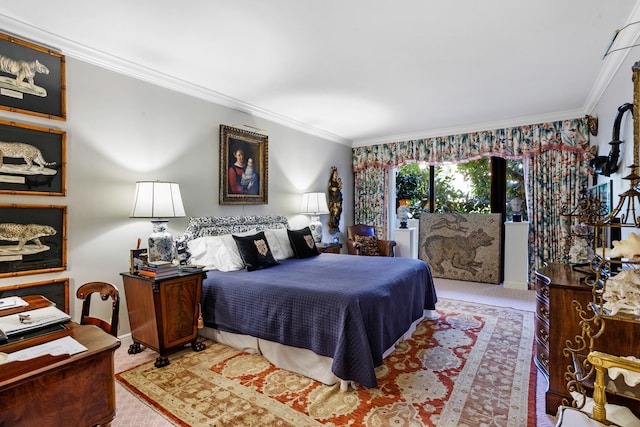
352	71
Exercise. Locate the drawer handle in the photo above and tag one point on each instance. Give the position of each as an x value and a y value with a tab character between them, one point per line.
544	312
544	360
543	335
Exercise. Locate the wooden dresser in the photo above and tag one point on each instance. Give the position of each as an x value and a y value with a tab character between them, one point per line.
557	322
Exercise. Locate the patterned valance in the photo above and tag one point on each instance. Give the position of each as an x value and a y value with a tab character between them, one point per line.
509	143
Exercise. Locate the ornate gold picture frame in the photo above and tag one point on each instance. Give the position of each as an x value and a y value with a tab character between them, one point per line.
244	167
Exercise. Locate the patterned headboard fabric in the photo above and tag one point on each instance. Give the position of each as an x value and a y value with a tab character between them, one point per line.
219	225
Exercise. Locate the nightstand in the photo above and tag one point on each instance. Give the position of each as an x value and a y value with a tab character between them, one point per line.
163	313
329	247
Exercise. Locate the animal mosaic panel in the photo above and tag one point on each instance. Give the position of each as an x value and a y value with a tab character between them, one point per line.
462	246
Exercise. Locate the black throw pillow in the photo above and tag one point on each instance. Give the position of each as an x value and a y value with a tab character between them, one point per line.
255	251
302	243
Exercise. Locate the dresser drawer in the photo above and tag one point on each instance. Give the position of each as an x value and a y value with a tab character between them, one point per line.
542	358
542	332
542	290
542	310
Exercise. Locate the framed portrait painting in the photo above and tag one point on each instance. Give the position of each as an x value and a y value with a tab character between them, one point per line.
32	160
244	164
32	79
33	239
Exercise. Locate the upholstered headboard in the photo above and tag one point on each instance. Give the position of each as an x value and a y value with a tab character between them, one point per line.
218	225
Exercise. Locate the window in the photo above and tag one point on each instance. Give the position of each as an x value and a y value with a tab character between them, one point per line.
463	187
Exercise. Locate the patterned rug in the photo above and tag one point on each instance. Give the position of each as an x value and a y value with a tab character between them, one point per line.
468	365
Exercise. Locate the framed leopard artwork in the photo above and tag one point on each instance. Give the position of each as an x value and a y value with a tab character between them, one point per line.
32	79
32	160
33	239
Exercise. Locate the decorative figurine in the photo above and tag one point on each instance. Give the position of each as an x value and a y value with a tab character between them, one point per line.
335	201
403	215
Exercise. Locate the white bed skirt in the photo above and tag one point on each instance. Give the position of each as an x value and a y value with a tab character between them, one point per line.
299	360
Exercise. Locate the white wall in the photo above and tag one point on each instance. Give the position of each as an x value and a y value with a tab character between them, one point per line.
121	130
618	92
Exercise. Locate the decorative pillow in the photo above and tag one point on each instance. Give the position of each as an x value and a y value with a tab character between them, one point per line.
255	251
302	243
368	245
279	243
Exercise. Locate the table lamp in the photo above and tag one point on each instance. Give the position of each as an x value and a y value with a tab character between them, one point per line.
159	200
315	204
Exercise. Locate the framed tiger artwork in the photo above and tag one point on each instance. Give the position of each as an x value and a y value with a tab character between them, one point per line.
32	79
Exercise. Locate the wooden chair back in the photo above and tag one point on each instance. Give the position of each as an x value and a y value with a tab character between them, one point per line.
106	291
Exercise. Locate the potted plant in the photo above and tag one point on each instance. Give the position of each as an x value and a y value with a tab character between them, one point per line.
407	188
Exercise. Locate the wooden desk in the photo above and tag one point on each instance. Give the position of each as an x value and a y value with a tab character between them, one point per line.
61	390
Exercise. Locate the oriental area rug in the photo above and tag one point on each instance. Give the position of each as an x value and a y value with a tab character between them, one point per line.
466	365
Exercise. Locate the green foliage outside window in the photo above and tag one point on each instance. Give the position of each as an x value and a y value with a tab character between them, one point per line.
451	182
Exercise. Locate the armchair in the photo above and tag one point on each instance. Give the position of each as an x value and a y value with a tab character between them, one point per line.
362	240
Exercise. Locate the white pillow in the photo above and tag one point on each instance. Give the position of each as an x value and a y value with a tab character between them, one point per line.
199	253
279	243
224	253
217	252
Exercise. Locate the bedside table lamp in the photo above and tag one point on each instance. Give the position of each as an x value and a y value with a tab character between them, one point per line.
155	199
315	204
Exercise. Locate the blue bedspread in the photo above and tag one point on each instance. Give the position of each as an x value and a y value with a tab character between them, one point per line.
350	308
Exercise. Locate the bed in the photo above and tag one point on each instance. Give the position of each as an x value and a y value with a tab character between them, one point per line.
330	317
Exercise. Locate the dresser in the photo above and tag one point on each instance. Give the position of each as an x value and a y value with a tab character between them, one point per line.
557	322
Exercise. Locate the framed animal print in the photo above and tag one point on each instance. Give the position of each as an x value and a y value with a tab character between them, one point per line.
244	163
32	160
32	79
56	291
33	239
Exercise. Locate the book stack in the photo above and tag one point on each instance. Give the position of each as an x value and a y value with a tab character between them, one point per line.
159	269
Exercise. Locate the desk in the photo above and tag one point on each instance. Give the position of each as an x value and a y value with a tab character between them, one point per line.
61	390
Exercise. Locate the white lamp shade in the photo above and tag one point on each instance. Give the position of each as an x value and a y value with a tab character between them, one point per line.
314	204
155	199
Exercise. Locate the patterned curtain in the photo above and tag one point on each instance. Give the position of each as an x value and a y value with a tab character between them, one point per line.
553	153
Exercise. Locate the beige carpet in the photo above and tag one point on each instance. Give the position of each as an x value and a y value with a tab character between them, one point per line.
470	365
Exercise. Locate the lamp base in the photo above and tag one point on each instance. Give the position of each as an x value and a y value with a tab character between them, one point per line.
316	228
161	247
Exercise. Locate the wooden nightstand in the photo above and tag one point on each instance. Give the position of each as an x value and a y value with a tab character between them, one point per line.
329	247
163	313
